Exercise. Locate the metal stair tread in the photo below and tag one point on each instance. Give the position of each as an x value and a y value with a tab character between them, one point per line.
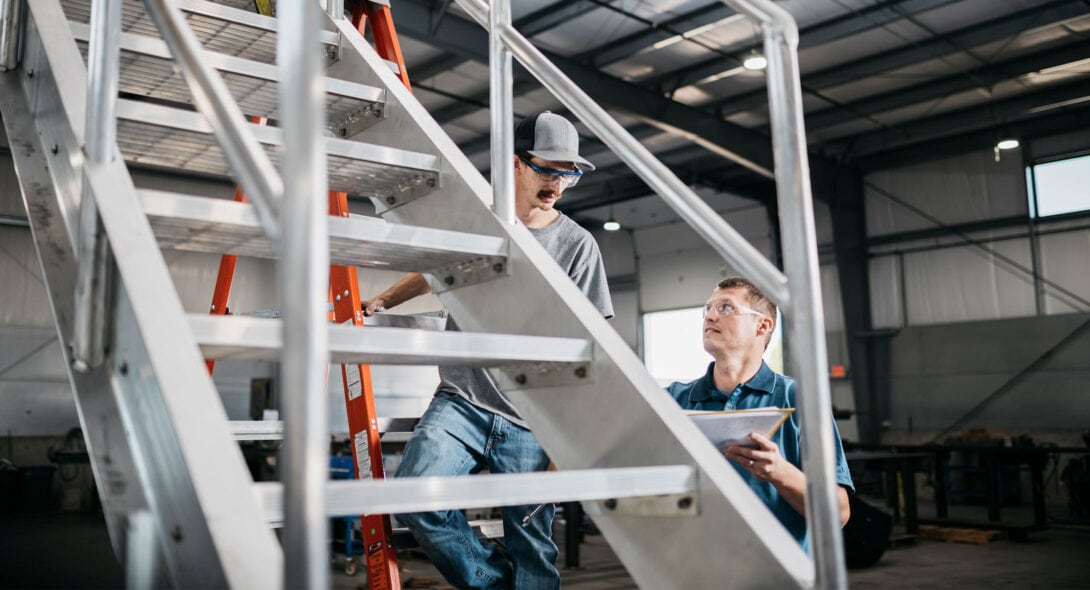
417	494
260	339
393	430
173	138
201	224
147	69
221	29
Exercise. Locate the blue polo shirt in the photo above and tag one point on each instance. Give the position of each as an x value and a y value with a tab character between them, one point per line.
766	389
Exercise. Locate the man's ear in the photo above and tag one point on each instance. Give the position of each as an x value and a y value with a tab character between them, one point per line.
765	326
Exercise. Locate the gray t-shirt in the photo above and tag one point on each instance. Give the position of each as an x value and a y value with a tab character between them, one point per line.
577	253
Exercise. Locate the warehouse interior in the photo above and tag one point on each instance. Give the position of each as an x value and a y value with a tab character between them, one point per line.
949	160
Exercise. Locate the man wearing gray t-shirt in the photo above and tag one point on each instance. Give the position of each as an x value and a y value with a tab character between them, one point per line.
470	425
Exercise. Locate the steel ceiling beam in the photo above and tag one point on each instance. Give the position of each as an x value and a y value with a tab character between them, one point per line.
459	35
535	23
900	57
984	77
811	36
992	115
645	39
1074	117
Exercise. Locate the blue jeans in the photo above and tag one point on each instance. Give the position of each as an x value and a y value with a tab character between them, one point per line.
454	437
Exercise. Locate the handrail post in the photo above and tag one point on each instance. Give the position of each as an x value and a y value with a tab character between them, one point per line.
806	341
500	101
304	287
335	9
12	17
103	65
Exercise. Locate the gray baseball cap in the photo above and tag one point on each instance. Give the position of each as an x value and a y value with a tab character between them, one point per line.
550	137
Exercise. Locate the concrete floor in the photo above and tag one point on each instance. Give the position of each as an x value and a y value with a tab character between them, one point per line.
71	550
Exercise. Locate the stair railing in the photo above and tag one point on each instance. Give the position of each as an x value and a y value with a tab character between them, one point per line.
797	292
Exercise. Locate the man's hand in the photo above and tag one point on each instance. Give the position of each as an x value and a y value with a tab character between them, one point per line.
765	462
371	306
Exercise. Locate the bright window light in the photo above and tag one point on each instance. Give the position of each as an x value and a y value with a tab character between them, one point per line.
673	347
1060	187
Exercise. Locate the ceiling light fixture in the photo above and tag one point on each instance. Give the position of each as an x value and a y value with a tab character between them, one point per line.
1007	144
611	225
754	61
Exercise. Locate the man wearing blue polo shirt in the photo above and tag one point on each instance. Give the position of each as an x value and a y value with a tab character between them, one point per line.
738	324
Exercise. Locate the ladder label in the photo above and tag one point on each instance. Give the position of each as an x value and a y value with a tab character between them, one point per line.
363	455
355	388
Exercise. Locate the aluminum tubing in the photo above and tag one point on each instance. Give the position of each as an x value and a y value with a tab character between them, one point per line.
502	113
12	18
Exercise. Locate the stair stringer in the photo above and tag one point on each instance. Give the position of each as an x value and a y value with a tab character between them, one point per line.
615	416
157	431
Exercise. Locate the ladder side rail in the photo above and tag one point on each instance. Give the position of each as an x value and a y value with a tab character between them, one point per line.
251	165
304	289
502	112
806	340
726	241
380	557
103	69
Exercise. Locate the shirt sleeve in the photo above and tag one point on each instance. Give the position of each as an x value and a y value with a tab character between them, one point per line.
589	274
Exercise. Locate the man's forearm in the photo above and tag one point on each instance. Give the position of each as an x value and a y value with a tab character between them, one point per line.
411	286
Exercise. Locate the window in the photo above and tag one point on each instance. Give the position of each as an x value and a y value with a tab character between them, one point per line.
1059	187
673	348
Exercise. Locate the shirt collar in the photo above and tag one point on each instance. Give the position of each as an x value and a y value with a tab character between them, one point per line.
763	382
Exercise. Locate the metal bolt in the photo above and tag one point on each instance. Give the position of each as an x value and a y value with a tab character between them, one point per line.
610	504
581	372
391	200
337	298
123	368
684	502
54	149
345	293
30	73
176	533
449	280
520	379
498	267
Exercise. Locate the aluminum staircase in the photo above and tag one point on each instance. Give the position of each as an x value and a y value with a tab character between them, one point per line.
162	448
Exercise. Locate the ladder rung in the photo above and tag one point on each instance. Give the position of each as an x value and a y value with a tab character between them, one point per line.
417	494
392	429
147	69
259	339
178	139
222	29
218	226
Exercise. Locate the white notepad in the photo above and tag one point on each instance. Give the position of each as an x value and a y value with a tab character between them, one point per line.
733	427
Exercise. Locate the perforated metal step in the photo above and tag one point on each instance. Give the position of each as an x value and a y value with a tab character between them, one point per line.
182	140
222	29
148	70
199	224
259	339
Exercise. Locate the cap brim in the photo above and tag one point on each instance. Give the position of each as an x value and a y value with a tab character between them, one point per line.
559	156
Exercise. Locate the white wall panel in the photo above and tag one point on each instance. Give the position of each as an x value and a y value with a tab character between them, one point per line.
963	284
885	292
1065	260
967	188
23	297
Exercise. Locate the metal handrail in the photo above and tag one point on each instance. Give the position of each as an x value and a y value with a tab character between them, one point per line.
103	66
251	165
12	17
797	292
726	241
304	291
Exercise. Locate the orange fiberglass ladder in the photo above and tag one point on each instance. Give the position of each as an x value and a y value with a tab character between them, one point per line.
379	553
